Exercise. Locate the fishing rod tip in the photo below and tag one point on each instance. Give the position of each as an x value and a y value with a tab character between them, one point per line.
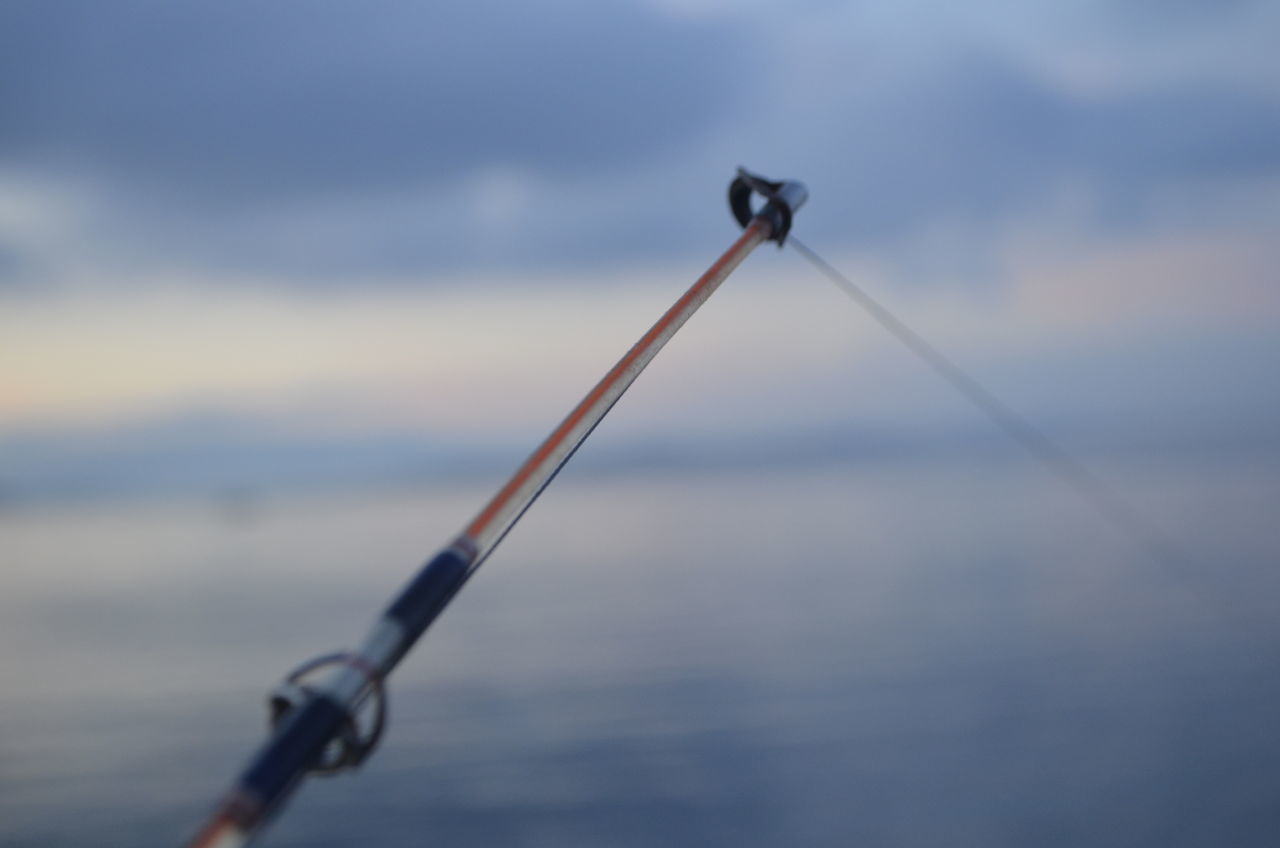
782	200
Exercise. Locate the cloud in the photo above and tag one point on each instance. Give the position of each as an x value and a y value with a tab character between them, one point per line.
974	138
315	143
234	102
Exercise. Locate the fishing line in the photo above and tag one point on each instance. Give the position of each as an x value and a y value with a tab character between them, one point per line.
1061	464
1110	505
1104	500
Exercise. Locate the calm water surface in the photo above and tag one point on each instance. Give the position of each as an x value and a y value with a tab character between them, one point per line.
902	657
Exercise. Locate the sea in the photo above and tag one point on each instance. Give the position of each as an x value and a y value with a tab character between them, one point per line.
878	654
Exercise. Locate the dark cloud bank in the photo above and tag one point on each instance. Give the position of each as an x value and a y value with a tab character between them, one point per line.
240	103
328	140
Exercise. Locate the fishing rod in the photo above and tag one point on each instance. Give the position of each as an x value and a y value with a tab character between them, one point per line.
328	715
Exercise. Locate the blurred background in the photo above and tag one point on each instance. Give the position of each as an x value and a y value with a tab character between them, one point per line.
287	289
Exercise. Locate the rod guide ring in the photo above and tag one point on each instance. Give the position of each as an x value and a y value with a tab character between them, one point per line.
782	200
353	744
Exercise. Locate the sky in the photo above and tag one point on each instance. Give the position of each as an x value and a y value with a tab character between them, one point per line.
252	246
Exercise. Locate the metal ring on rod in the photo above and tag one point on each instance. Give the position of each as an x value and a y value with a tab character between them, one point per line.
351	746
